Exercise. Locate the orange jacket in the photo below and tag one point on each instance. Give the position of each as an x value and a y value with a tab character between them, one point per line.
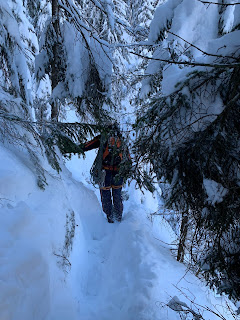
95	143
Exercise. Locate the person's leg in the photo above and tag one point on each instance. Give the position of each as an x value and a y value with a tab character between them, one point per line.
106	197
117	196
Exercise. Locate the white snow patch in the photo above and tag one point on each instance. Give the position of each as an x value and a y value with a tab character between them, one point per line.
215	191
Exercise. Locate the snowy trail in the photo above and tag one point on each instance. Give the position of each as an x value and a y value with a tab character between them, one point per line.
128	274
117	279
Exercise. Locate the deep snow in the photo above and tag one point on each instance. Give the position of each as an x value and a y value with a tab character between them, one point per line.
123	271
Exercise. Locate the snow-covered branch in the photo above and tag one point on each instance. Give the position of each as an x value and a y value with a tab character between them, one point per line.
116	19
73	13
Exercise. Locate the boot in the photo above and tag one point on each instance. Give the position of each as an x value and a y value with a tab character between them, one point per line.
110	219
118	218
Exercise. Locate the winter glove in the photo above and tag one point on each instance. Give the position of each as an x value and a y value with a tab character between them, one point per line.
81	148
66	145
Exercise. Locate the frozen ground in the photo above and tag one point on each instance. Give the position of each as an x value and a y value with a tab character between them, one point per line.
123	271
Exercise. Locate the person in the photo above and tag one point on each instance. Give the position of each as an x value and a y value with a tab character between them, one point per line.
111	154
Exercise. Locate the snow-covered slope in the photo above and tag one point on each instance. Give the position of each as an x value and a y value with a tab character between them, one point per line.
61	260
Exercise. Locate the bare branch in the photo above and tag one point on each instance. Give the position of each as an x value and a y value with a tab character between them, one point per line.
204	52
206	308
220	4
194	64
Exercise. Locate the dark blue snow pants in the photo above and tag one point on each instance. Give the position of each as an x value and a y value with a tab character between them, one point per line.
111	195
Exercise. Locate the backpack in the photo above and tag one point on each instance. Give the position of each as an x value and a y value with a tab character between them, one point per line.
112	151
112	154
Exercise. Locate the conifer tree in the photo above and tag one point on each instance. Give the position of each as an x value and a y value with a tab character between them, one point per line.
19	45
189	133
17	49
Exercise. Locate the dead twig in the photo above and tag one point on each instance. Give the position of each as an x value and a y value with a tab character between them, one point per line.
66	259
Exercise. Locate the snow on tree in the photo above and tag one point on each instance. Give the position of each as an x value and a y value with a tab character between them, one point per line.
38	12
76	59
73	66
16	52
18	47
109	19
141	15
188	128
18	130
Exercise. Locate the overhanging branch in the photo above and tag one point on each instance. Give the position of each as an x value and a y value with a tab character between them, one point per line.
194	64
204	52
220	4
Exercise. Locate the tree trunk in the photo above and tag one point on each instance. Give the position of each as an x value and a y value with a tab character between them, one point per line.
54	66
183	235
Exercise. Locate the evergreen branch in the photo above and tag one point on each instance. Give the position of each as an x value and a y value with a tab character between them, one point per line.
49	133
119	21
98	5
194	64
74	14
14	118
71	10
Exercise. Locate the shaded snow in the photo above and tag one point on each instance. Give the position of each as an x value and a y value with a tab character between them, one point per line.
215	191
